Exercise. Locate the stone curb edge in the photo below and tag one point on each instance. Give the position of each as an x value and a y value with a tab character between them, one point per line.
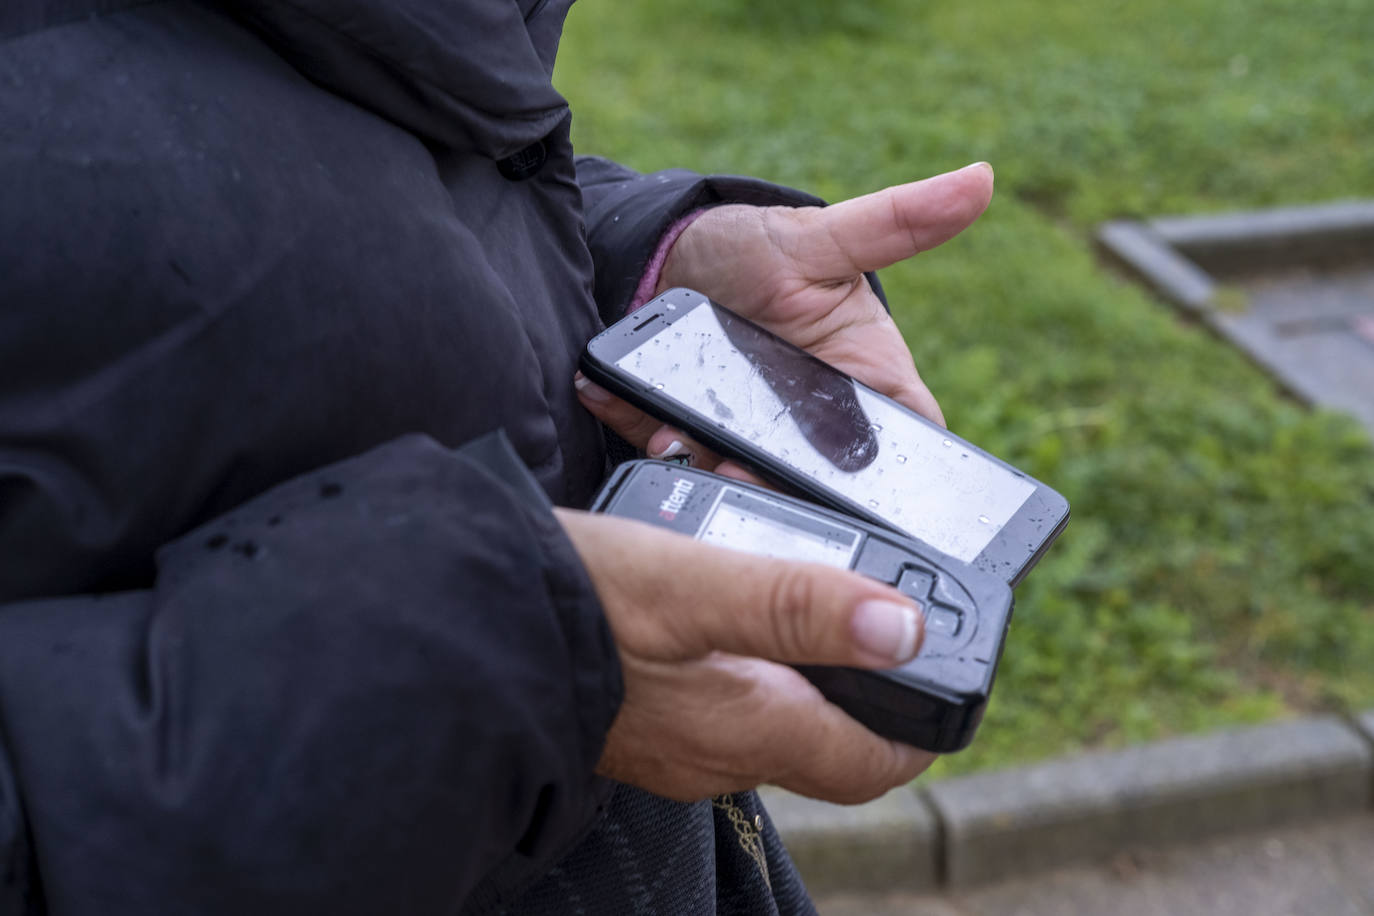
1178	255
1185	260
991	826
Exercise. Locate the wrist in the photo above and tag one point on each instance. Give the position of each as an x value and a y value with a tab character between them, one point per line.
651	282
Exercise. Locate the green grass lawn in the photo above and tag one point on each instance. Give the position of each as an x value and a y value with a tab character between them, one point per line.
1219	567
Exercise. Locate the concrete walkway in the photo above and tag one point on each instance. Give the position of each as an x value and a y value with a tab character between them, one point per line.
984	829
1323	869
1306	282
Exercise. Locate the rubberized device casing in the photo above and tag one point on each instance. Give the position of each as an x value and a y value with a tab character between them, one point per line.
934	702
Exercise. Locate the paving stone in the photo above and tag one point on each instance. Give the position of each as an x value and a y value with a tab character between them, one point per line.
1306	279
1090	807
1170	274
1239	243
894	904
1366	723
1273	873
1308	329
1353	854
892	842
1317	868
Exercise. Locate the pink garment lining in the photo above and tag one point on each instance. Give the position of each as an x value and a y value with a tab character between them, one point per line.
648	281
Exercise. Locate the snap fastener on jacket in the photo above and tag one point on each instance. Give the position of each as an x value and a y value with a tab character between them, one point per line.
524	164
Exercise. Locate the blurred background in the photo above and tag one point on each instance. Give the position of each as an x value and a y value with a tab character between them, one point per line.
1219	566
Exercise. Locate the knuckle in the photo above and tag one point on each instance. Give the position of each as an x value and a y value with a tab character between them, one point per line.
791	596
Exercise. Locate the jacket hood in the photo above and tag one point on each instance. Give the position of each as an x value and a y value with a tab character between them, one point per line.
463	74
468	75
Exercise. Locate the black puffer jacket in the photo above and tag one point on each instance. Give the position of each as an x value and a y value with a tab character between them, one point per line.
272	638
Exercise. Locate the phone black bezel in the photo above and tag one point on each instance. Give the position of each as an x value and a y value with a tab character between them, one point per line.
1035	524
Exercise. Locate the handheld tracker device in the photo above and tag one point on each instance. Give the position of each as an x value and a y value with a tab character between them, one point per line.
814	431
936	700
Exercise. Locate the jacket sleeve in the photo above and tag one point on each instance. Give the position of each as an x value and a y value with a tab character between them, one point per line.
627	213
357	693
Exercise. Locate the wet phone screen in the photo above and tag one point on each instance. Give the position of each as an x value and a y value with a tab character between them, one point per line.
794	416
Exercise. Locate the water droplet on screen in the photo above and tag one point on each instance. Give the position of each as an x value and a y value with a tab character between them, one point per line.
877	427
677	334
964	455
948	444
873	503
901	459
659	386
985	520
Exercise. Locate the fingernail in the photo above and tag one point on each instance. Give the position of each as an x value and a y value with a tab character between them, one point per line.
675	451
980	164
886	629
590	389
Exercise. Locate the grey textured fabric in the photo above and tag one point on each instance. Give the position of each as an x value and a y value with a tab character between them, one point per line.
646	856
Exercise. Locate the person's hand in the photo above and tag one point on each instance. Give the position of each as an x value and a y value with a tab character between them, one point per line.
703	634
798	271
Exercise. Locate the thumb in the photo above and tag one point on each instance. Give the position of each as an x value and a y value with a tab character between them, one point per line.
672	598
797	613
879	229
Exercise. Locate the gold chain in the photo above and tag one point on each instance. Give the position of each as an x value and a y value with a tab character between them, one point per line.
747	832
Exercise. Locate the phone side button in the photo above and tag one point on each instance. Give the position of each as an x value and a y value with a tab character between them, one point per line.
943	621
915	583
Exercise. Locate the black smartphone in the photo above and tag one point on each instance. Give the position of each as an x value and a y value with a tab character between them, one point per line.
936	700
811	429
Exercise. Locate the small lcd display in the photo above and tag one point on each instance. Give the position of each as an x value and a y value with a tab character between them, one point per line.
824	425
755	524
